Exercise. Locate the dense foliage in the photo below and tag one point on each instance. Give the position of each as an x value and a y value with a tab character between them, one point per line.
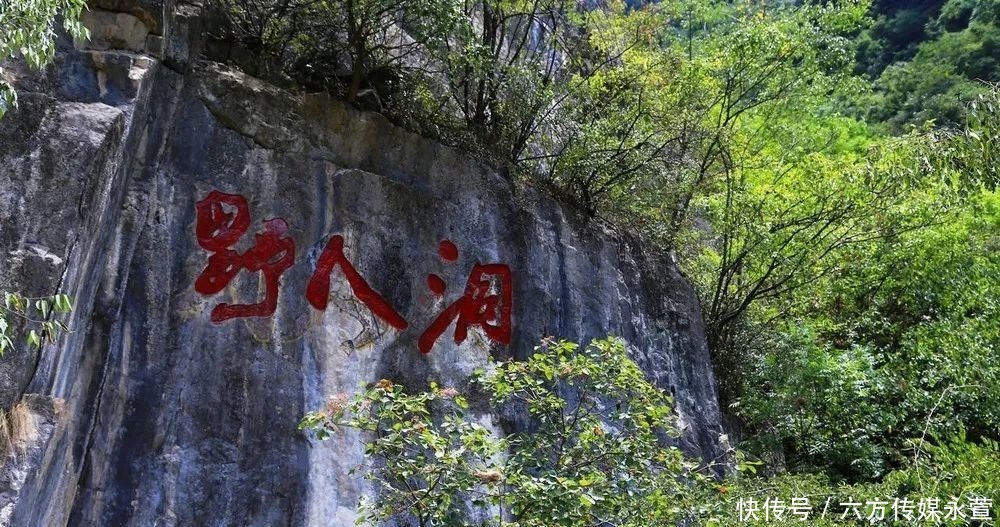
893	337
929	59
595	453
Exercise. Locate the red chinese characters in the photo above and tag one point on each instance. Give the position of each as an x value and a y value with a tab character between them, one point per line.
222	220
218	230
487	303
318	291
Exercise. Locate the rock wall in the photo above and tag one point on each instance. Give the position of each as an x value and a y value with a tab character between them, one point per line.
147	413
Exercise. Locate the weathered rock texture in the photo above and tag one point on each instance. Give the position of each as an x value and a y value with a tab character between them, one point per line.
148	413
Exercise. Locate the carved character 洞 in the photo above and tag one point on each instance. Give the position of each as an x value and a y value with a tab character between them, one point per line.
487	303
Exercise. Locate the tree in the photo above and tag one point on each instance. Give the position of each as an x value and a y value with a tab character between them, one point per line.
594	453
605	130
928	61
500	69
28	30
892	336
346	46
685	95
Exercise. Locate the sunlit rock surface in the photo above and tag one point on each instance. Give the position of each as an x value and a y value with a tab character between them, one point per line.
150	414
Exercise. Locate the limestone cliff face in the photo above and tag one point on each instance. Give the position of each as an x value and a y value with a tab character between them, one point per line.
150	414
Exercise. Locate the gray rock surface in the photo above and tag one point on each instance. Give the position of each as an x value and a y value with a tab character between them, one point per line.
165	418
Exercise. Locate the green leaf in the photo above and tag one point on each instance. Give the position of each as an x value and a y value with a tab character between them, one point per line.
34	339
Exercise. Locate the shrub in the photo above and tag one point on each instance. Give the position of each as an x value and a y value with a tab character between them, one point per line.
594	454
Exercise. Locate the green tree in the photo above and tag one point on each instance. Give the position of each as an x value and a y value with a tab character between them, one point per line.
28	31
351	47
594	454
928	61
894	339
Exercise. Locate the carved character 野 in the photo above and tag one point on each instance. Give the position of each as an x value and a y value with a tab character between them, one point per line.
218	230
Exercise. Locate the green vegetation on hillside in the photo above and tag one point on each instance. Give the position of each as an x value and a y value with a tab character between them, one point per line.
928	59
